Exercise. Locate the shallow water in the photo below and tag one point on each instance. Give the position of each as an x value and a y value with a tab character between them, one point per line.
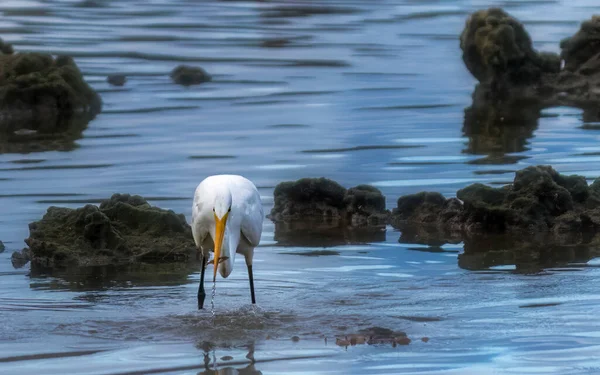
360	92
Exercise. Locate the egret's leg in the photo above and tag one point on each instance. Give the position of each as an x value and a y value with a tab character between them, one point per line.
201	293
251	278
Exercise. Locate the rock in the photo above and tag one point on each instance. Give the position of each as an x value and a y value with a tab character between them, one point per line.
6	48
425	339
322	198
123	229
295	338
189	75
497	48
226	358
365	205
116	79
45	103
20	258
402	340
540	199
582	48
41	83
425	207
498	51
307	197
2	247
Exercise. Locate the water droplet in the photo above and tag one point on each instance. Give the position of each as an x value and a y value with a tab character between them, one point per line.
212	301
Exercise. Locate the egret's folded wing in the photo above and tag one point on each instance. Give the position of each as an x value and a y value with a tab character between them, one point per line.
253	219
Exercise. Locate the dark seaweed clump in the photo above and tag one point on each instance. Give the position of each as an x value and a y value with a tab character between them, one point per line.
123	229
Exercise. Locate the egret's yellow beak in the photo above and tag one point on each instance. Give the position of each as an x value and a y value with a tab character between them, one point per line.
219	234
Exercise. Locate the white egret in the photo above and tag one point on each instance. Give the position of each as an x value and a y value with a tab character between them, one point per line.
227	217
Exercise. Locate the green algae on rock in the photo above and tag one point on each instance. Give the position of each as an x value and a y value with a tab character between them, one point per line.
496	45
39	82
123	229
499	52
321	212
540	199
189	75
321	198
45	104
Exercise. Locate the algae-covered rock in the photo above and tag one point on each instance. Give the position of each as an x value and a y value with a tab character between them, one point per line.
540	199
365	204
189	75
307	197
314	198
425	207
44	102
496	47
39	82
498	51
124	229
583	47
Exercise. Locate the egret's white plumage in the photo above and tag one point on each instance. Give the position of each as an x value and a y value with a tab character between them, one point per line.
231	205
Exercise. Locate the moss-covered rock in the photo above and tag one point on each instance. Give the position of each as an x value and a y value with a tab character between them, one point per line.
42	83
498	51
44	101
124	229
583	47
189	75
496	46
540	199
322	198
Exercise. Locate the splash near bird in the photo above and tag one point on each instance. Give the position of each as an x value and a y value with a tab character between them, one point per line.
227	217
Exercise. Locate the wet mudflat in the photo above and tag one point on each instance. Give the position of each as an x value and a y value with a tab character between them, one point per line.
361	93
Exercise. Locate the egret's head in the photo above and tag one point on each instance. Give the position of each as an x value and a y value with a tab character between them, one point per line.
221	211
222	205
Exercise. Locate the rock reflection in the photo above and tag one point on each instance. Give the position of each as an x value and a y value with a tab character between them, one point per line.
325	233
495	130
527	253
104	277
41	133
248	370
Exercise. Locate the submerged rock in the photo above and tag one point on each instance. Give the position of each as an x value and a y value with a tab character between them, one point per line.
2	247
321	198
123	229
499	52
540	199
374	336
116	79
189	75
